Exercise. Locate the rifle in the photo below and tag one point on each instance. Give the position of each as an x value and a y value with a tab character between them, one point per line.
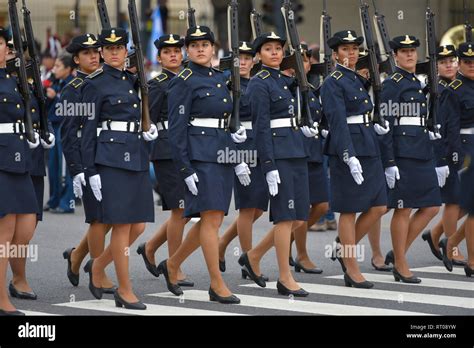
103	15
256	21
373	64
191	16
36	75
467	24
304	113
21	64
433	72
388	65
233	27
135	28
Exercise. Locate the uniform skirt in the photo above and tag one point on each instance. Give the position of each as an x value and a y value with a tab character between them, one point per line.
92	208
467	189
17	194
170	185
418	185
318	183
216	181
347	196
127	196
38	183
253	196
292	201
450	193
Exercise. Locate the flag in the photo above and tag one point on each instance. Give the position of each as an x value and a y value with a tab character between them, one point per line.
156	32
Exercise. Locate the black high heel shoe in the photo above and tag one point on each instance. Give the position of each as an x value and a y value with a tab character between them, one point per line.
469	271
335	255
245	263
173	288
16	313
245	275
23	295
426	236
120	302
383	268
283	290
96	292
291	262
222	266
109	290
232	299
149	266
390	258
362	285
411	280
73	277
299	268
185	283
443	244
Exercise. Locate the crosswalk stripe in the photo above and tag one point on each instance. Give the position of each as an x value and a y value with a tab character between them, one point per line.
152	309
294	305
398	296
439	269
428	282
35	313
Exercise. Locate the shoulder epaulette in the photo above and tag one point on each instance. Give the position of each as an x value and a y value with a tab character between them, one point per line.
397	77
336	74
95	74
185	73
311	87
161	77
455	84
443	83
77	82
216	69
263	74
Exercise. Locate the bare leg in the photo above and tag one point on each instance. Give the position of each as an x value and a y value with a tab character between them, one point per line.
470	240
418	222
228	237
282	234
158	239
7	228
399	229
255	254
96	244
455	239
374	239
347	231
174	234
79	253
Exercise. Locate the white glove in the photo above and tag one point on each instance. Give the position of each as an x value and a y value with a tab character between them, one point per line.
96	186
443	173
433	135
310	132
240	136
273	179
152	133
382	130
392	174
191	183
52	141
324	133
77	182
356	170
36	143
243	173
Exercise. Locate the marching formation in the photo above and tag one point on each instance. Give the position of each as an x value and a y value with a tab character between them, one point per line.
258	130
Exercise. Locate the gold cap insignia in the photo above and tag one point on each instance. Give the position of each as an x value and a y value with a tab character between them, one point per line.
171	40
349	36
198	32
445	51
89	41
469	52
244	47
113	37
273	36
407	40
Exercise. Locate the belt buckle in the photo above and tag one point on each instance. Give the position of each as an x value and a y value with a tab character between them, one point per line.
108	123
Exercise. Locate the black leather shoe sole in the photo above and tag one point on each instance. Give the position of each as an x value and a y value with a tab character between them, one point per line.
73	277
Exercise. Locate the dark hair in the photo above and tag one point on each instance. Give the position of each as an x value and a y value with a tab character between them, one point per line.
67	60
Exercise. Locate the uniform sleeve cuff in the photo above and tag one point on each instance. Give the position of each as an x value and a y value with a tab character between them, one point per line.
268	166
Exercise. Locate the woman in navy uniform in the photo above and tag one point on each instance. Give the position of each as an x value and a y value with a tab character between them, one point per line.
170	185
86	56
408	157
199	107
116	162
462	107
447	153
282	154
357	182
18	214
251	201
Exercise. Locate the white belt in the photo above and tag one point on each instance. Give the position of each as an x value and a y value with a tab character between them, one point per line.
121	126
209	122
247	124
12	128
358	119
410	121
282	123
467	131
79	132
160	125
